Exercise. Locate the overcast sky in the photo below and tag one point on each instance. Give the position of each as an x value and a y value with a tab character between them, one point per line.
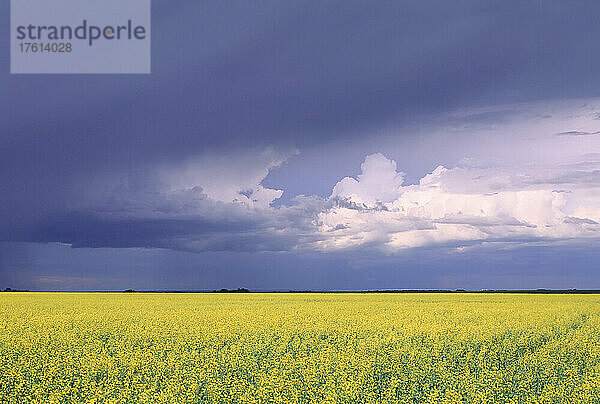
314	145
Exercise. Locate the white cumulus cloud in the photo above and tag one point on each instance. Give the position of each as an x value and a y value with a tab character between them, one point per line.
378	182
462	204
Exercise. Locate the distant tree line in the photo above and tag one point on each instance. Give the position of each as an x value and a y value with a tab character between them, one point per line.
238	290
15	290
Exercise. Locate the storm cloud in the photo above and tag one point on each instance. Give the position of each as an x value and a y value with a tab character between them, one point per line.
476	125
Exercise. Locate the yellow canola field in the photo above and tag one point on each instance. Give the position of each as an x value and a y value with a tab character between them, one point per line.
306	348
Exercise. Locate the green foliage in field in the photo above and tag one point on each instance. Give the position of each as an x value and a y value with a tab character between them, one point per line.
309	348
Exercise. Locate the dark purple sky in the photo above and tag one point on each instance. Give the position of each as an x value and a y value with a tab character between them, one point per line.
174	179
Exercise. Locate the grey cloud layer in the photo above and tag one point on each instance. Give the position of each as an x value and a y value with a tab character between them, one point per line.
218	202
123	161
301	74
457	207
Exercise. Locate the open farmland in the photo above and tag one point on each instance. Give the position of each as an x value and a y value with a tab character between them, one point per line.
310	348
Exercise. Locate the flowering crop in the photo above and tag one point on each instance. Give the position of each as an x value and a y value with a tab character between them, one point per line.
308	348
